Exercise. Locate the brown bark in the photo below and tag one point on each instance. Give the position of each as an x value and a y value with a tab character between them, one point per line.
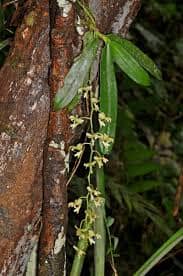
114	15
24	110
24	115
52	242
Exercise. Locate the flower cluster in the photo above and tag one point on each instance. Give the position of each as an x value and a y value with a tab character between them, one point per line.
85	90
105	139
78	149
79	251
93	198
97	160
103	119
87	234
94	103
100	160
85	231
76	205
76	121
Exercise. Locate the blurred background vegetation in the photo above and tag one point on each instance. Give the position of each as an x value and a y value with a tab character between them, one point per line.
146	165
149	146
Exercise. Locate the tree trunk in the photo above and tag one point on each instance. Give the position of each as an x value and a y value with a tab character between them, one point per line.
52	242
24	103
24	100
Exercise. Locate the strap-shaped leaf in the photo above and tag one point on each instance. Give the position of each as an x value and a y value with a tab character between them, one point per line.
76	76
4	43
136	152
128	64
143	186
142	169
160	253
108	95
146	62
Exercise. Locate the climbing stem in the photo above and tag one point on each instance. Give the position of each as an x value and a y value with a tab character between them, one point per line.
91	20
87	13
102	36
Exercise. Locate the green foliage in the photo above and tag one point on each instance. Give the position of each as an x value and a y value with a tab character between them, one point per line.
141	169
4	43
77	75
138	55
128	57
152	118
5	31
141	186
108	95
129	64
160	253
100	244
130	152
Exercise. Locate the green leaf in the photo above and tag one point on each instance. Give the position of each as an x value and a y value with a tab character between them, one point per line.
99	226
87	39
126	198
146	62
4	43
74	102
115	191
125	123
141	169
115	242
160	253
76	75
109	221
108	96
128	64
100	244
136	151
143	186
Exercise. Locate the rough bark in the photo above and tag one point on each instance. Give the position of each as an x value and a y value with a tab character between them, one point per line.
52	242
24	110
114	15
24	103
